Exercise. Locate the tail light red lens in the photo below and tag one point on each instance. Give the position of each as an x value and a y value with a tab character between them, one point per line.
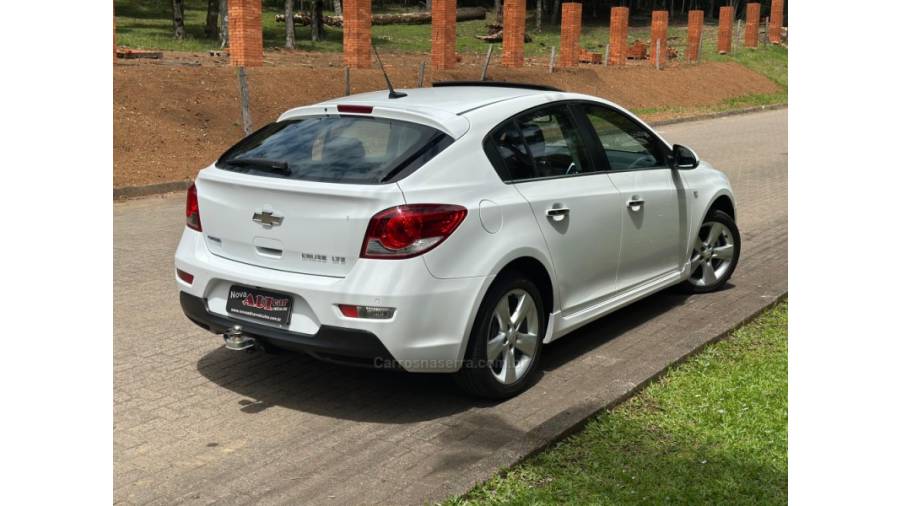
185	276
410	230
192	210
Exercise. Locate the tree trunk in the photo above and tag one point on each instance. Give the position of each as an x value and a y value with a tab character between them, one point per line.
223	23
337	8
212	19
428	5
317	26
178	18
554	19
289	24
538	22
498	11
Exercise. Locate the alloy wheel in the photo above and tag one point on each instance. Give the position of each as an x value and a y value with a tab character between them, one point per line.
712	255
513	336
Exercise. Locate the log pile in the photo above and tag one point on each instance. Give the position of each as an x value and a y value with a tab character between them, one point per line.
495	34
400	18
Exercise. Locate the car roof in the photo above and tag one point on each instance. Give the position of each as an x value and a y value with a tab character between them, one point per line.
444	107
451	99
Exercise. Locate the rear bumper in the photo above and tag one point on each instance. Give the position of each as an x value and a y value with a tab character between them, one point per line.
427	333
356	347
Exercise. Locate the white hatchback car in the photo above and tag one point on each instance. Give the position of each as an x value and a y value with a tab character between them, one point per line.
457	229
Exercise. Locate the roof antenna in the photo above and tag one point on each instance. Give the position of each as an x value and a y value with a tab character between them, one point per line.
391	92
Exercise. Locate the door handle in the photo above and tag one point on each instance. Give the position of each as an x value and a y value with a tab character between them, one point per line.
635	204
558	213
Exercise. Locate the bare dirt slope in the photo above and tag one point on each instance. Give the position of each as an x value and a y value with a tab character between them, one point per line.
173	117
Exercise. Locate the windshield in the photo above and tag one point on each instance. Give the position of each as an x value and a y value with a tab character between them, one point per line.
346	149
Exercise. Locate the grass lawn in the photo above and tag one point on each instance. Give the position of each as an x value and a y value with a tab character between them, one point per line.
712	431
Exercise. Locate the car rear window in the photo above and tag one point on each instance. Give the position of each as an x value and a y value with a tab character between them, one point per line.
340	149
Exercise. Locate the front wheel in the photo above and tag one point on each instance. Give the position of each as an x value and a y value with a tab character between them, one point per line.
505	344
715	254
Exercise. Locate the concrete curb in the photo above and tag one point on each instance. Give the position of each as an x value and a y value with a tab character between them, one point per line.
720	114
130	192
574	420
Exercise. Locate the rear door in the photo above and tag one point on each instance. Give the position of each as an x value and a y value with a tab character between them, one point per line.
651	197
545	157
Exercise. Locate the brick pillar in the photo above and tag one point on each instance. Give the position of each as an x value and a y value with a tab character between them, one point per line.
695	28
514	33
659	28
618	35
776	19
570	33
443	34
245	40
751	32
358	33
726	27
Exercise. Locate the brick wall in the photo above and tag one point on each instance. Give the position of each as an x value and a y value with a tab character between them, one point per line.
726	27
443	34
776	19
659	29
514	33
570	33
751	33
695	29
245	41
358	33
618	35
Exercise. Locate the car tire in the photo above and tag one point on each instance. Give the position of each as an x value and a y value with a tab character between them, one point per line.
515	344
713	259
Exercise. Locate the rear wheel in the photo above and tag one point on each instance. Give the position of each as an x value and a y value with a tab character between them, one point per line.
505	344
715	254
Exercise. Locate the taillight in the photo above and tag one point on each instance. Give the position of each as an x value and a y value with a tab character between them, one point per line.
409	230
192	210
185	276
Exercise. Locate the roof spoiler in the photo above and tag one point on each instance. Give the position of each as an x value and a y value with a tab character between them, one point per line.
495	84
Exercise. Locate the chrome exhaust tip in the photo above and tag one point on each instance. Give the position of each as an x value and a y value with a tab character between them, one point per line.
237	341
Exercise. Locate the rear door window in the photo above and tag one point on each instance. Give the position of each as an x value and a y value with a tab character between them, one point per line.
345	149
539	144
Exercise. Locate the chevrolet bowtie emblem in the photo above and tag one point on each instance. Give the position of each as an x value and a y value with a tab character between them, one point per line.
267	219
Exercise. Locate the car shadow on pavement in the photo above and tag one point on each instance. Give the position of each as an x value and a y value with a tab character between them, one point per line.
299	382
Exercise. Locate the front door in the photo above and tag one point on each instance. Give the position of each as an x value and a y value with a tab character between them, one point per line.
576	206
653	218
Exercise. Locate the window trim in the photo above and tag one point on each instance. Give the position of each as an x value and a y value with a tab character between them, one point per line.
493	155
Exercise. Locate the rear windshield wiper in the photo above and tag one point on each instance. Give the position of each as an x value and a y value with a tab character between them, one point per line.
276	166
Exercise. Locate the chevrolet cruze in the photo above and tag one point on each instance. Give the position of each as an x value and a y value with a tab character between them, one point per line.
453	229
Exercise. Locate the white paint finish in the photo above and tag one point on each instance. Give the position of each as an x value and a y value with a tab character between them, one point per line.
584	243
491	216
601	257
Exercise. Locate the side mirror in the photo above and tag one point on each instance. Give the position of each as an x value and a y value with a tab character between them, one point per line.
684	157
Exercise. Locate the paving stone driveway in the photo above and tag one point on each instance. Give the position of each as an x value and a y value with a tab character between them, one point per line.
196	423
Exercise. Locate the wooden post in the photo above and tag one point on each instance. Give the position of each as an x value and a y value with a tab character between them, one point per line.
245	101
657	54
487	61
346	81
737	37
421	78
552	57
699	47
606	56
